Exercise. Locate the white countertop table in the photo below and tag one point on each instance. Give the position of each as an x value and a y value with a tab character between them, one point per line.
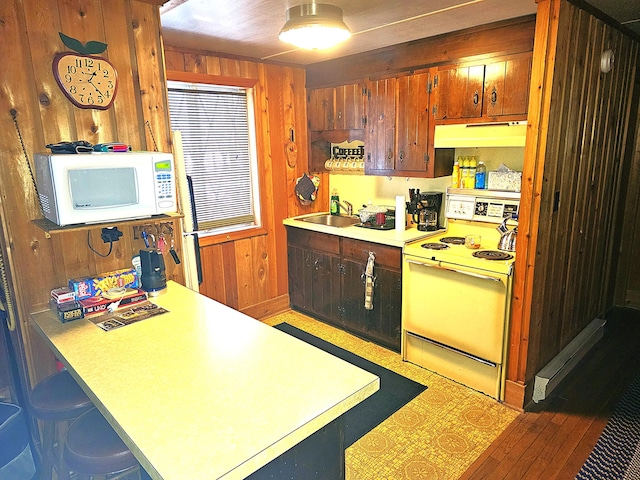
205	391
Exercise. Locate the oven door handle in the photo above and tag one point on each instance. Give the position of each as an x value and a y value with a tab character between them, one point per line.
463	272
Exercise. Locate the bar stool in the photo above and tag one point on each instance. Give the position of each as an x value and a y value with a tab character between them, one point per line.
56	400
93	449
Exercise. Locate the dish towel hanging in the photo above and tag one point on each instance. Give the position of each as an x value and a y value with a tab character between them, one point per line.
369	282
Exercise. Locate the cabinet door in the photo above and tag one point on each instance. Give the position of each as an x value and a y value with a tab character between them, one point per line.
381	114
460	92
383	322
300	277
412	122
349	107
506	87
326	286
353	287
320	109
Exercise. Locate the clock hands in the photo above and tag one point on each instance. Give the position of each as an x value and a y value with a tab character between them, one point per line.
92	84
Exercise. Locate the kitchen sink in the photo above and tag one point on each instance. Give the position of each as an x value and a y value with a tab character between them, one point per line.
331	220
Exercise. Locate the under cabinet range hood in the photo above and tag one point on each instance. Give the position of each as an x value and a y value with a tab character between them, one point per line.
499	134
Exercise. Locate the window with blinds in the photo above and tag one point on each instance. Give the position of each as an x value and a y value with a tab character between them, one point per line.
218	140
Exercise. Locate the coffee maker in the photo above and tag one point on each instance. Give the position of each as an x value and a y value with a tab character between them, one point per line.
428	211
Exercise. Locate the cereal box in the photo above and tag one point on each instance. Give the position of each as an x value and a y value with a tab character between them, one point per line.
86	287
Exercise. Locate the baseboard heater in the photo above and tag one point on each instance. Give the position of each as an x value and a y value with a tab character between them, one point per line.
557	369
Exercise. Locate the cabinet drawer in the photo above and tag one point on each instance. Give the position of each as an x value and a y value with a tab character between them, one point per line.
359	250
323	242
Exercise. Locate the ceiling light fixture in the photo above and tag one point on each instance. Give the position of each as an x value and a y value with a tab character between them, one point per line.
314	26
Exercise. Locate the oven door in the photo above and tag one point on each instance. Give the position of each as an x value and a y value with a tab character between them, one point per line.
456	307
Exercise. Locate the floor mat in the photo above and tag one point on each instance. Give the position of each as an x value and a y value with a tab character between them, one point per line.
395	390
436	436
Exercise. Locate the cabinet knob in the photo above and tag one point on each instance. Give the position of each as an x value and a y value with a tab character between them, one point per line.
476	98
389	154
401	155
494	97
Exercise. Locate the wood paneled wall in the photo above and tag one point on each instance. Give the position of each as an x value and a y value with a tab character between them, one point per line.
576	166
29	32
250	274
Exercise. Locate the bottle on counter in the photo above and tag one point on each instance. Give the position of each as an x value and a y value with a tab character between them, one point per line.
471	175
455	176
464	173
481	176
334	205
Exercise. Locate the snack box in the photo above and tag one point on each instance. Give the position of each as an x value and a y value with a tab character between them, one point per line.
68	311
100	304
63	295
85	287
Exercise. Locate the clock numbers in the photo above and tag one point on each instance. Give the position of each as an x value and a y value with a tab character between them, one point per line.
89	82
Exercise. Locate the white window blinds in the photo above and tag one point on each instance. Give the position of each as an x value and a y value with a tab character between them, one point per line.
214	122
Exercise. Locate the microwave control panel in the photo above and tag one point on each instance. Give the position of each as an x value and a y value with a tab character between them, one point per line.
165	183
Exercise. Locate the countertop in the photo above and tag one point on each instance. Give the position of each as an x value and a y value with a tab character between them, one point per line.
204	391
385	237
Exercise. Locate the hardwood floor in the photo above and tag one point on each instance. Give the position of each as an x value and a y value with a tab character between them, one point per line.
554	441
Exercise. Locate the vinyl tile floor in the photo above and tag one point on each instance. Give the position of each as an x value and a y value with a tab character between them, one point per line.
436	436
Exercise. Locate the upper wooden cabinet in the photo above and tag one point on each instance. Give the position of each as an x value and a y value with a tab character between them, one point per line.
399	135
490	91
398	125
338	108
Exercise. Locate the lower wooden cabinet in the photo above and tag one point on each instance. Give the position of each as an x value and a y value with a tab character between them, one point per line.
326	281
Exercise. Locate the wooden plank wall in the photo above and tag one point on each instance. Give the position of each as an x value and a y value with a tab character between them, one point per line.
250	274
576	166
29	31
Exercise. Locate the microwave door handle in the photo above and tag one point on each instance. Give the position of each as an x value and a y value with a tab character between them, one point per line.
194	235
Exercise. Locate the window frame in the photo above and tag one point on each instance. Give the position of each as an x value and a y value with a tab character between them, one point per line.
249	83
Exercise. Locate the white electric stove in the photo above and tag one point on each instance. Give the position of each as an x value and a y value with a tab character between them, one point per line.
456	299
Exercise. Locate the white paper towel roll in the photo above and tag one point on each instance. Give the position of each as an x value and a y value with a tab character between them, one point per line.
401	214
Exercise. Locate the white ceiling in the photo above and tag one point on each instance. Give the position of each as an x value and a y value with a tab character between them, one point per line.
250	28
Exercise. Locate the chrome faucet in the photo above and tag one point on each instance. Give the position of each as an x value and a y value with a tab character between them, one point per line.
346	206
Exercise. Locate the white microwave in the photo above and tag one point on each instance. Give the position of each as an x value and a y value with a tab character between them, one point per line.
105	187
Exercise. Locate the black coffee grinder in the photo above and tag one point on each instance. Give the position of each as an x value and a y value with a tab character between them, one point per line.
428	211
153	278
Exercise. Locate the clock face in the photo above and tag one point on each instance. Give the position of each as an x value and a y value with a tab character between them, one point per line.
88	81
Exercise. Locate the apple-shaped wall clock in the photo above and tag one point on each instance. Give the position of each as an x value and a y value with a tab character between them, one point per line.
87	80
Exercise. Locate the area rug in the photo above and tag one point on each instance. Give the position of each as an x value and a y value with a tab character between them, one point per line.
395	390
616	455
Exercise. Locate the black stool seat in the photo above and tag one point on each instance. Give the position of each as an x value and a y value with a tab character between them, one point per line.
58	397
94	448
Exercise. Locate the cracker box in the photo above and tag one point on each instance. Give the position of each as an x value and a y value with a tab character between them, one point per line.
86	287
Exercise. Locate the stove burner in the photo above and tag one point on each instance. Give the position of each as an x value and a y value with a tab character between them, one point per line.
492	255
435	246
453	240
